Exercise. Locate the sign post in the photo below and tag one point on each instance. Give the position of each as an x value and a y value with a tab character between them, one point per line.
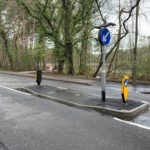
104	39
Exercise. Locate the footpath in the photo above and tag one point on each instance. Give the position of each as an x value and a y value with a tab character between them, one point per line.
112	106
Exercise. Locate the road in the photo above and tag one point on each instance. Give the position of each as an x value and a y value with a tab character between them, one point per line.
32	123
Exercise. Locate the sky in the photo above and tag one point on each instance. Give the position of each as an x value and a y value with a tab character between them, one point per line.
143	28
144	24
144	19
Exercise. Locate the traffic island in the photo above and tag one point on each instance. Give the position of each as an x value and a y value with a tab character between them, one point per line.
112	106
145	92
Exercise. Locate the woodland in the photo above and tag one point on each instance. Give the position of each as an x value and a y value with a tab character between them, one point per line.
37	34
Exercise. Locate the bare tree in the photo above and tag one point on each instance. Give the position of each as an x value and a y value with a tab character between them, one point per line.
134	73
124	24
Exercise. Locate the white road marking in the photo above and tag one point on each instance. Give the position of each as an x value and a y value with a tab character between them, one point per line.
14	90
133	124
62	88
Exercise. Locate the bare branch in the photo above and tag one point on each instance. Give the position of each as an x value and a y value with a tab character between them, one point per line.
105	25
102	17
123	35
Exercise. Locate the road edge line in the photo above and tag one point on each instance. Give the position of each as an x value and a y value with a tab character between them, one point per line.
14	90
132	123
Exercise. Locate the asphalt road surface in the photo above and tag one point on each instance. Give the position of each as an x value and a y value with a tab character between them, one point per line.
32	123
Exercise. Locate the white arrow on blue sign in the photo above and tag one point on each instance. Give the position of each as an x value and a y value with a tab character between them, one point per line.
104	36
126	82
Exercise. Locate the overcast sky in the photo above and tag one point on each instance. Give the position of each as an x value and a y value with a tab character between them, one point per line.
144	19
144	23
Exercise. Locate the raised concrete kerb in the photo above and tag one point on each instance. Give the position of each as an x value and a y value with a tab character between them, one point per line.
124	114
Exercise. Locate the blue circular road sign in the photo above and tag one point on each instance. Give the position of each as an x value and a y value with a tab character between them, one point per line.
104	36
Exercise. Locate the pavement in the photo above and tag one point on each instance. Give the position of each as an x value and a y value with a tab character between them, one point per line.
112	106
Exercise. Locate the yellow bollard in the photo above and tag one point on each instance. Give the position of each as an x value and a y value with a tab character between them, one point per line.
124	89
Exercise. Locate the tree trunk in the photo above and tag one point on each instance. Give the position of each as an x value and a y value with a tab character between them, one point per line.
134	73
67	14
60	66
99	65
59	60
70	68
17	64
83	57
44	63
4	37
118	45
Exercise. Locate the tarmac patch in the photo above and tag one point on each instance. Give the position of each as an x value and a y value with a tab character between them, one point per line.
2	146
